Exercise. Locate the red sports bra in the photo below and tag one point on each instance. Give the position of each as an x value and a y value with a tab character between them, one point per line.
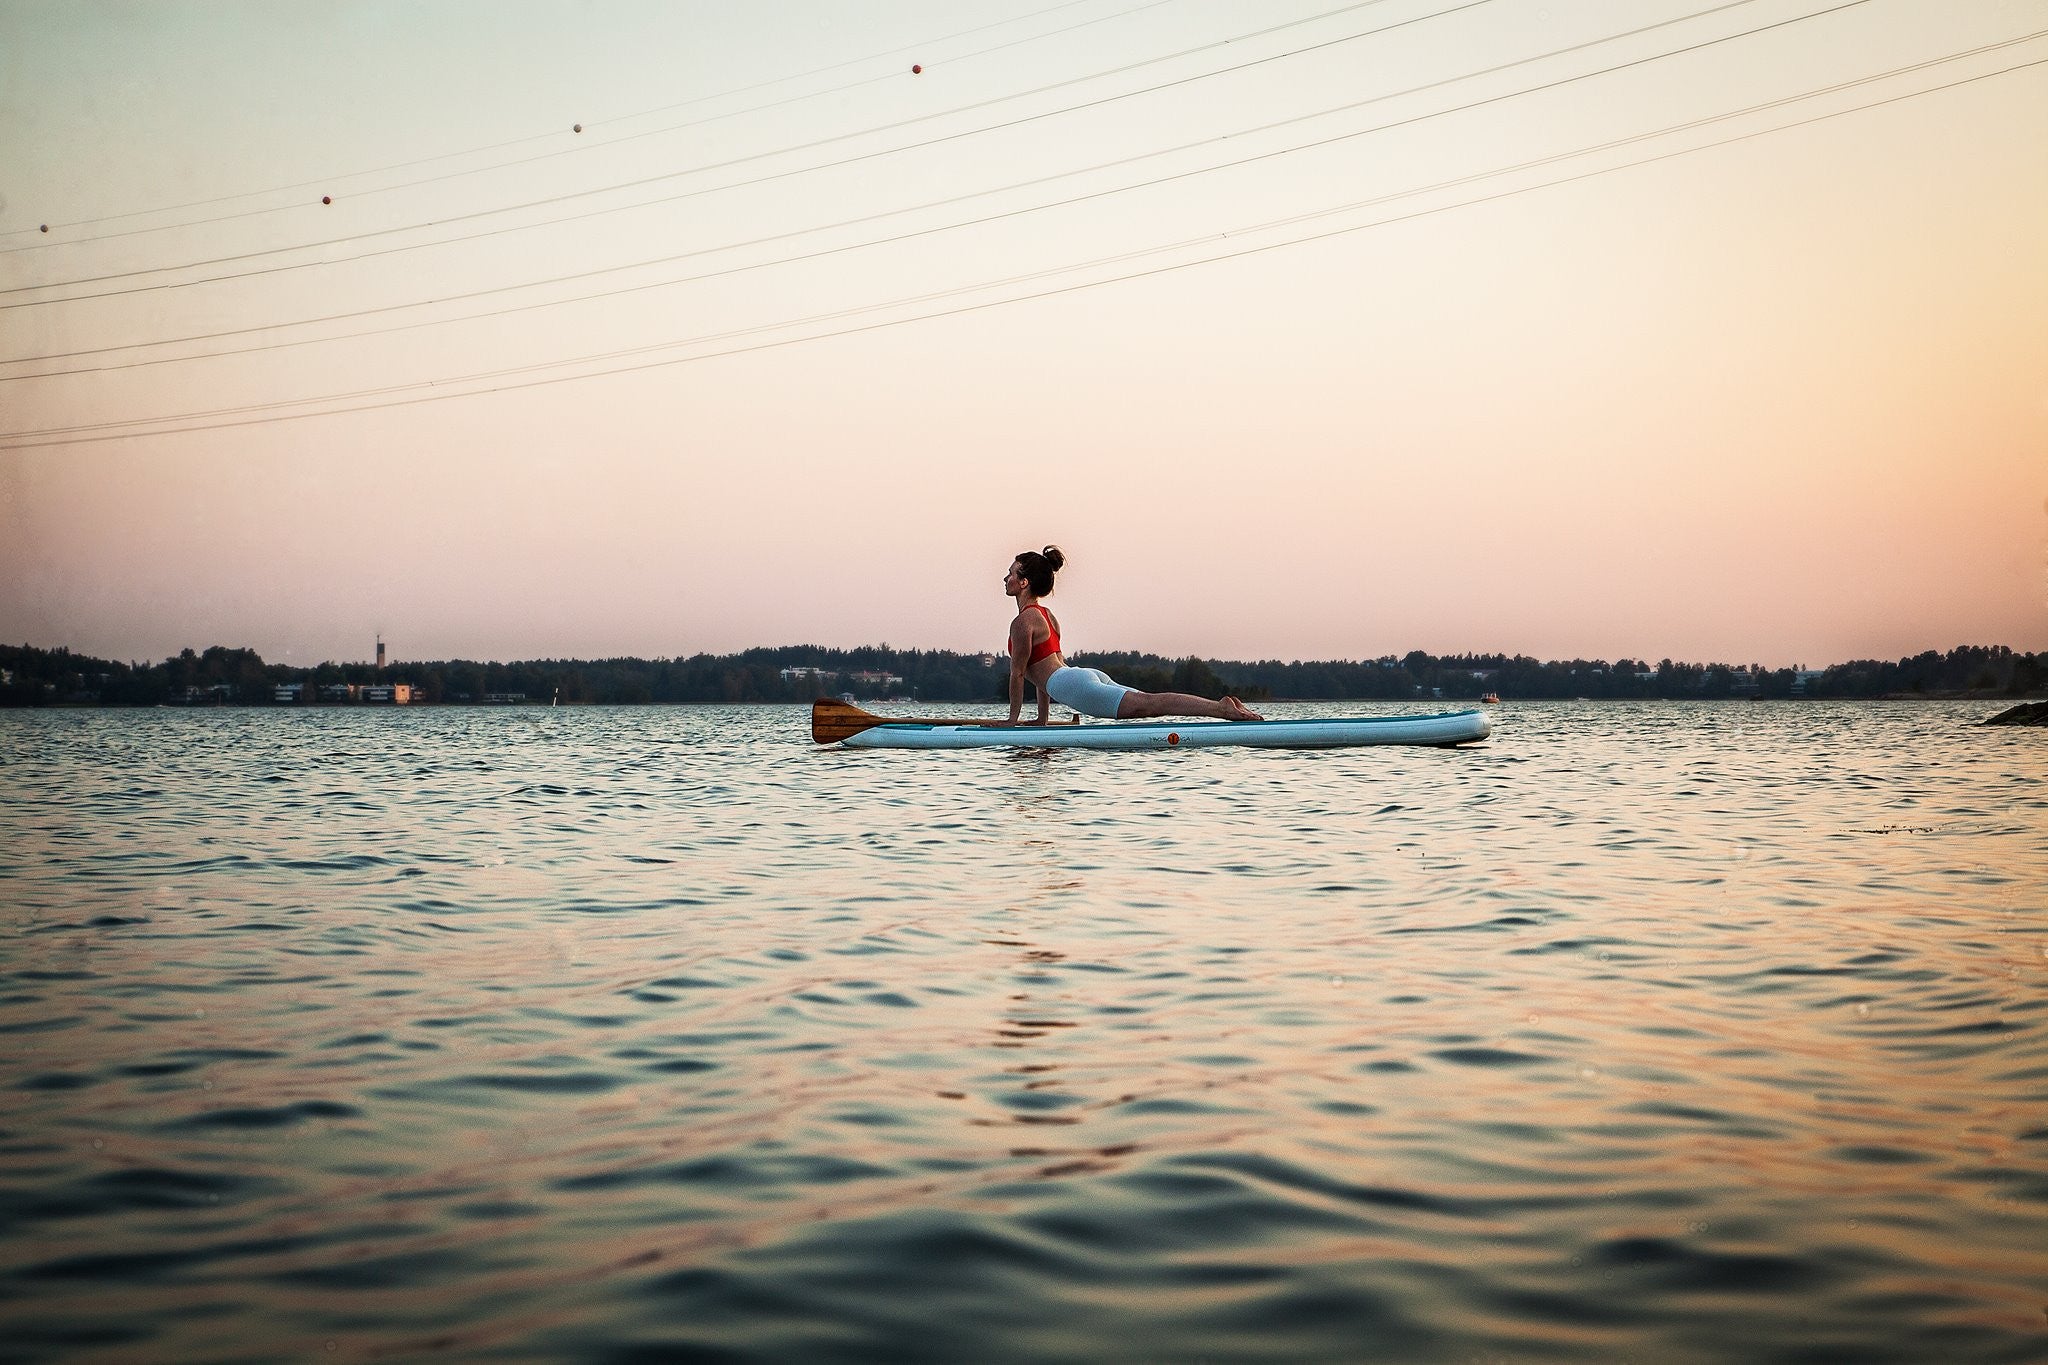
1050	646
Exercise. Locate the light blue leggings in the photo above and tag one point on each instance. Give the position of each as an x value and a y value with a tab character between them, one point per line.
1087	690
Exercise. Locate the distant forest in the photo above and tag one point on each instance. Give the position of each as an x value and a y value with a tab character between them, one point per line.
797	673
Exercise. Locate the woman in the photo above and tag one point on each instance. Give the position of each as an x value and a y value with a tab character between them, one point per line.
1035	654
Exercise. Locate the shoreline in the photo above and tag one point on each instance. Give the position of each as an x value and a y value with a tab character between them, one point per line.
1456	703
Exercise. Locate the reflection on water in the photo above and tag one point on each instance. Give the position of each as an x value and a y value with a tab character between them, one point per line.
1664	1031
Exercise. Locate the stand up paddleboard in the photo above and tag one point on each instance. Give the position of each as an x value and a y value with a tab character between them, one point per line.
837	722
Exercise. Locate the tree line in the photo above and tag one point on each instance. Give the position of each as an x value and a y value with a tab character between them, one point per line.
30	676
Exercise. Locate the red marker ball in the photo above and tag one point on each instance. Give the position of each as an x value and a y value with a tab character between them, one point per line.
326	198
917	70
46	227
578	128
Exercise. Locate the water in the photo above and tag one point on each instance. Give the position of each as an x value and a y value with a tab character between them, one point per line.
1646	1031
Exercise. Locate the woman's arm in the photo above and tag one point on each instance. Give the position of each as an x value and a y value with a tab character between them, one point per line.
1020	650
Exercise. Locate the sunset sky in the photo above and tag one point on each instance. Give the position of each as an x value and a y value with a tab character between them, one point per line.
1308	330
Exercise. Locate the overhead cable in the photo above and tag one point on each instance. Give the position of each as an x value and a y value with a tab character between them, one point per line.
748	159
266	413
948	227
342	178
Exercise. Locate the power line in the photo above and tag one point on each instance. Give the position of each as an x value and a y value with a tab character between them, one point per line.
660	260
956	199
745	160
543	137
203	421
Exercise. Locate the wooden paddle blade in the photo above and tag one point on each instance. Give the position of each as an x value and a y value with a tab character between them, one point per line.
833	720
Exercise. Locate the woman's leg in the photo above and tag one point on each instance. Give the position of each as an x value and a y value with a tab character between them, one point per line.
1136	705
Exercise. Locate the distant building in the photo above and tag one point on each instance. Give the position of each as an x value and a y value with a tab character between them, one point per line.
387	694
870	679
288	694
380	653
988	661
337	692
1802	677
816	675
504	698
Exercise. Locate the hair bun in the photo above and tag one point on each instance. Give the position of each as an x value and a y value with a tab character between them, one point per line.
1054	557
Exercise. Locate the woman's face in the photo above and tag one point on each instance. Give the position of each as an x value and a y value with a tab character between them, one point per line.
1013	581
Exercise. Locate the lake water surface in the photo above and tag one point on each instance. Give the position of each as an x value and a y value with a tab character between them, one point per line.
1644	1031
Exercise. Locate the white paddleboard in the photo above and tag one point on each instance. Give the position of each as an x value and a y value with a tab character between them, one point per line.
1339	732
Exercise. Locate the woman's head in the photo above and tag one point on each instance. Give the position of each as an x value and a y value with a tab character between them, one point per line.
1036	568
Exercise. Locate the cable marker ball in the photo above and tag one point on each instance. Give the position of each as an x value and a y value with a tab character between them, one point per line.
326	198
917	70
577	129
46	227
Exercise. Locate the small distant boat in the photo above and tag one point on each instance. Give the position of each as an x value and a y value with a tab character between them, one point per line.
1490	699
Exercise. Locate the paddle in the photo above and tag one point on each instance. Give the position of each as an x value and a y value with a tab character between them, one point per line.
832	720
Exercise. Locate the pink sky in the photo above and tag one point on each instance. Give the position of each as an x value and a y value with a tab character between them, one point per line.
1783	400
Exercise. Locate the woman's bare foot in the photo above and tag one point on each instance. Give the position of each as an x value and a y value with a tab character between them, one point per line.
1233	709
